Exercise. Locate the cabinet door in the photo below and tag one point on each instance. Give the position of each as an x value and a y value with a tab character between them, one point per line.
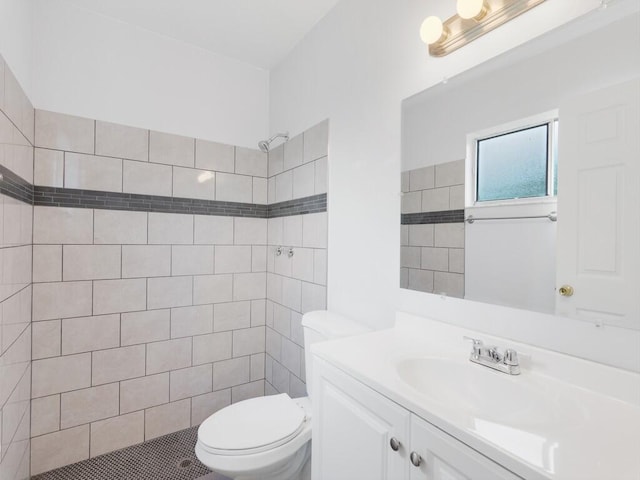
352	430
445	458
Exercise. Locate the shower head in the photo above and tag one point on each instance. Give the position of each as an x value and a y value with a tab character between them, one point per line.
264	144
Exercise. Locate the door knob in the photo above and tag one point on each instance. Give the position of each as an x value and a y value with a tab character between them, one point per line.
416	459
566	290
395	444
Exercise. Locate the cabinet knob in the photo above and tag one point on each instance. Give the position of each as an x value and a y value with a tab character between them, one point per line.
416	459
395	444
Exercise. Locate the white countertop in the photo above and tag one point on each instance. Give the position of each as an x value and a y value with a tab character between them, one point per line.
584	423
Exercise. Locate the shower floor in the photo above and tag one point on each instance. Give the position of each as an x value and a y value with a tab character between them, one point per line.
170	457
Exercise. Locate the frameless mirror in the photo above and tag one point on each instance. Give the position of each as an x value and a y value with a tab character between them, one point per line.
496	203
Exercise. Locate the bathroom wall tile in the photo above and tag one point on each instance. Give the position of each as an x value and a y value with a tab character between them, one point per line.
435	259
282	320
320	266
232	259
234	188
274	287
260	191
449	235
316	141
212	289
456	197
250	231
191	183
60	374
146	178
449	173
269	389
248	341
304	181
189	321
89	405
144	392
297	388
89	172
268	370
273	344
58	449
276	160
251	162
64	132
456	260
302	264
258	312
45	340
297	332
115	296
146	261
410	257
90	262
48	168
117	364
247	390
451	283
45	415
404	181
213	230
404	278
164	292
190	382
421	178
47	263
314	297
293	231
291	354
191	260
293	152
231	316
259	258
321	175
168	355
435	200
166	419
291	293
284	186
116	433
203	406
282	263
61	300
280	377
211	348
249	286
115	140
56	225
170	228
421	235
271	190
421	280
171	149
257	366
228	373
411	202
314	230
275	227
214	156
90	333
144	327
114	227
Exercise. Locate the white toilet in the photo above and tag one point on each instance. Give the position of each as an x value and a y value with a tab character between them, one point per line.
268	438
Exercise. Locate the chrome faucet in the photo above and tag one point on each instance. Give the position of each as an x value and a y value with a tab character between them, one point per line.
490	356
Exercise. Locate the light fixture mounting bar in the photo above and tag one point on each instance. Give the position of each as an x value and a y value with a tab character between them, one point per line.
462	32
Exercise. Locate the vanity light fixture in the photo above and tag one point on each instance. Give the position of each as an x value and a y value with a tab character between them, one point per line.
474	19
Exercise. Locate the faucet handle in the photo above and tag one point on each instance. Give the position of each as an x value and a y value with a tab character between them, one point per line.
476	345
510	357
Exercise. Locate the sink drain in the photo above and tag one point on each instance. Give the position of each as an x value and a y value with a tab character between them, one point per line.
185	463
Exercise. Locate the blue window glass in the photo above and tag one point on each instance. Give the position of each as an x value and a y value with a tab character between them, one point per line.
513	165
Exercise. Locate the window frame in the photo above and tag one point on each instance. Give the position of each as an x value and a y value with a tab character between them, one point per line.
548	118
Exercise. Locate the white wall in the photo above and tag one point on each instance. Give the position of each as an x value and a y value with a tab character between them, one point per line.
355	68
16	39
95	66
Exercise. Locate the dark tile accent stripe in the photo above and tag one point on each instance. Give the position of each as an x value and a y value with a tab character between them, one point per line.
423	218
15	186
300	206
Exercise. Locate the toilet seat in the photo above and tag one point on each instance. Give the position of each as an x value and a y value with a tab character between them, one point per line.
252	426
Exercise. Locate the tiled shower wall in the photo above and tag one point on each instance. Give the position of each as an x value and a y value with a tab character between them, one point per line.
432	230
296	284
144	322
16	167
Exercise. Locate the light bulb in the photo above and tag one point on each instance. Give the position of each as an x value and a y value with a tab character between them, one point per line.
431	30
469	8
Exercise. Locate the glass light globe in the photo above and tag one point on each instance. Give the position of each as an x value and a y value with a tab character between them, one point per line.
431	30
469	8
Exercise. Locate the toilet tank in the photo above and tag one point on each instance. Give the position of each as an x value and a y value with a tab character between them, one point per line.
322	325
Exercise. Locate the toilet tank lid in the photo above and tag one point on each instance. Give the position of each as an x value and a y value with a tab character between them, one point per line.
332	325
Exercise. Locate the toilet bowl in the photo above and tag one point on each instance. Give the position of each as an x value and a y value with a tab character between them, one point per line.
269	438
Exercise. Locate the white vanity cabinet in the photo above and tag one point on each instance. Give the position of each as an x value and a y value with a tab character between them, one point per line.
359	434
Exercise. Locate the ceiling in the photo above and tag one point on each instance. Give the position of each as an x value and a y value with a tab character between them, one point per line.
257	32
